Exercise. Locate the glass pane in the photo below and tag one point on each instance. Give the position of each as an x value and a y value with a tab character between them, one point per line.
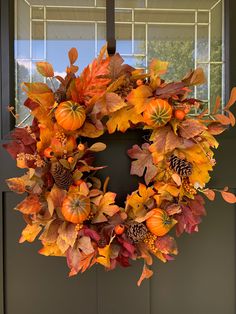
145	29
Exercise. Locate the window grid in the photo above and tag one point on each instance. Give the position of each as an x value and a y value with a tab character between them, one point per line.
96	23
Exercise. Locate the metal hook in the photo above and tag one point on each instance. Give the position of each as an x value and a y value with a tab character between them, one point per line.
110	27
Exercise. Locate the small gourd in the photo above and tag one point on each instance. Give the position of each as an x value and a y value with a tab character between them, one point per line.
75	208
70	115
160	223
157	113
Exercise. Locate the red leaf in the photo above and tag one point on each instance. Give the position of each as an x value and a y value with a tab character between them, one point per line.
191	128
30	205
228	197
223	119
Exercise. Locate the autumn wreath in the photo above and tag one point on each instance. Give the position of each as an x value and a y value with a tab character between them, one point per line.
68	207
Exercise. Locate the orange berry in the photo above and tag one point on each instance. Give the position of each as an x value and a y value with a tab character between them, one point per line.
139	82
70	160
119	229
81	147
179	114
48	152
78	182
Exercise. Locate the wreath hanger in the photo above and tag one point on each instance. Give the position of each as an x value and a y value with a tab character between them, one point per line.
110	27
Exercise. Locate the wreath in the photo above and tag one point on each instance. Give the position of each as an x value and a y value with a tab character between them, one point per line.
68	207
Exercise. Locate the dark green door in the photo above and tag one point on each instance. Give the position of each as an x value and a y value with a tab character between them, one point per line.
202	278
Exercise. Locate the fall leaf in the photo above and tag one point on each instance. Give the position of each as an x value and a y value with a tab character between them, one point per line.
17	185
97	147
67	235
106	206
144	253
140	97
216	128
137	203
232	98
90	130
107	104
231	117
158	67
45	69
191	128
166	245
29	205
217	105
55	198
117	68
146	273
170	89
121	120
104	258
164	188
30	232
228	197
210	194
78	261
165	140
85	245
223	119
196	77
50	249
143	162
73	55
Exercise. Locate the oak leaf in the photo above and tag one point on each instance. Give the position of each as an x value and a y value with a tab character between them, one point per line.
109	103
105	206
30	232
143	162
191	128
140	97
30	205
121	120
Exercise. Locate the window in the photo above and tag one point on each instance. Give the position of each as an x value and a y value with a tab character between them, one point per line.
185	33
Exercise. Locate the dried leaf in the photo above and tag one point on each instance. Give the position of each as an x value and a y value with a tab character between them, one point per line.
67	235
231	117
210	194
78	261
73	55
223	119
196	77
146	273
85	245
117	68
158	67
139	97
191	128
177	179
90	130
97	147
17	185
30	205
105	207
30	232
170	89
50	249
216	128
232	98
217	105
45	69
228	197
55	199
143	162
121	120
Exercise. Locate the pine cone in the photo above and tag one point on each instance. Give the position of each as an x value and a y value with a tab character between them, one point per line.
124	89
136	231
59	96
180	166
61	176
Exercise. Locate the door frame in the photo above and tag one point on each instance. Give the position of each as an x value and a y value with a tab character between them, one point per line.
7	96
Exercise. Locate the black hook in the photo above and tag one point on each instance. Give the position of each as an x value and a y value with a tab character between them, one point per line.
110	27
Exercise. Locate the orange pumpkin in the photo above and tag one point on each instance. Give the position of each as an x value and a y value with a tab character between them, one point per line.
70	115
157	113
75	208
160	223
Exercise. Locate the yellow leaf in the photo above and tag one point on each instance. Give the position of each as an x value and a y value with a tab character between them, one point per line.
104	258
45	69
30	233
50	249
139	97
121	120
158	67
89	130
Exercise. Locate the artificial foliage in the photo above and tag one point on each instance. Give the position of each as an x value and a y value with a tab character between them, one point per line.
68	208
